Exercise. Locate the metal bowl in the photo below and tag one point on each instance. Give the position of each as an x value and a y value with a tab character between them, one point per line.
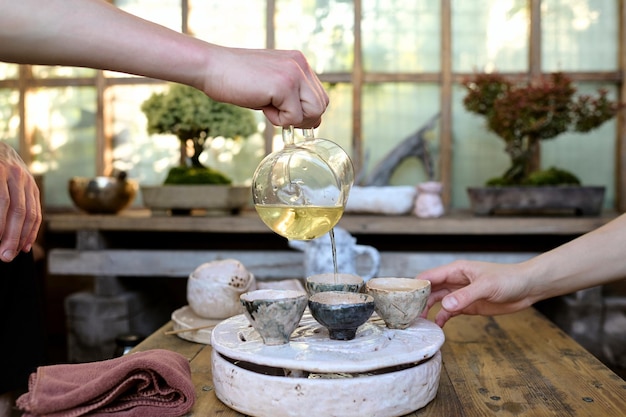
102	195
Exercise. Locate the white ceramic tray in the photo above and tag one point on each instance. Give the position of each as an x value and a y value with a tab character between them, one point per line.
380	373
310	349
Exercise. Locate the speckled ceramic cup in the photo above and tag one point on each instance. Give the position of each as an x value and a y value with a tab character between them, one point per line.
274	314
333	282
399	301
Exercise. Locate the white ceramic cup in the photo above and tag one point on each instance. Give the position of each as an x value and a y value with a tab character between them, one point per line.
398	301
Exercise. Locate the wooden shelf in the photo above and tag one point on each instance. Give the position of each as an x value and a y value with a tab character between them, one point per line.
247	222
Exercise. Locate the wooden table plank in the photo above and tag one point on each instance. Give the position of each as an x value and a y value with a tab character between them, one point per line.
524	365
514	365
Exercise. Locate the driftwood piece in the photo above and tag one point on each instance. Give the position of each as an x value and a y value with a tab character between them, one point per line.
413	146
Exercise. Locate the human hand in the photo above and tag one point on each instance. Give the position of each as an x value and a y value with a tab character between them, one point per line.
20	208
60	32
280	83
472	287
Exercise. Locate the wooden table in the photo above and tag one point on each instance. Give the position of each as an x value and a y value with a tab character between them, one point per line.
514	365
136	243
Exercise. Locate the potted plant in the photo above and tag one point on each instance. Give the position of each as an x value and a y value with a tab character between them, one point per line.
523	115
195	119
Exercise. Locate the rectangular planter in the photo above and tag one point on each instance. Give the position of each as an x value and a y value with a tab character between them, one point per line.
213	199
572	200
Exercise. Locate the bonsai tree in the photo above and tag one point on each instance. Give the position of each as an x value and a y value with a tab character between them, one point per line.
195	119
523	114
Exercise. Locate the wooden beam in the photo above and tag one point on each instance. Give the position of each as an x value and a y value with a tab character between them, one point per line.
270	43
357	91
534	39
445	122
620	163
104	130
25	132
453	223
263	264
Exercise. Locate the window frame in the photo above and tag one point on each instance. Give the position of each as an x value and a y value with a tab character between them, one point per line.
446	79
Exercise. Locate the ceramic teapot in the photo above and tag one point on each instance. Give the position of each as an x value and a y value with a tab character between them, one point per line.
318	256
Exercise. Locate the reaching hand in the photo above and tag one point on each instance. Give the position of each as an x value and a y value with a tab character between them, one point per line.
20	208
470	287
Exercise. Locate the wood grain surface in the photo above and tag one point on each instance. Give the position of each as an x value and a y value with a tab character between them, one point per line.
513	365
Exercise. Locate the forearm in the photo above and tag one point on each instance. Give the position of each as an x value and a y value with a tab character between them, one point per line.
92	33
596	258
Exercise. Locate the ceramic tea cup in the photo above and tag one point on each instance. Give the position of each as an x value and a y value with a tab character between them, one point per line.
341	312
399	301
274	314
333	282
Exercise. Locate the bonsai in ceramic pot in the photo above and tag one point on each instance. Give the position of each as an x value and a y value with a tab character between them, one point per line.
195	119
523	114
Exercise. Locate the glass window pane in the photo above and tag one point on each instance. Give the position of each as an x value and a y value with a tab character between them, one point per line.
237	23
337	120
44	71
63	121
8	71
167	13
489	35
145	158
401	36
584	153
9	117
581	35
321	29
237	158
148	158
391	113
478	154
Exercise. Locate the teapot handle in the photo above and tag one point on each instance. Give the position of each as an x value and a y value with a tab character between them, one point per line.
372	253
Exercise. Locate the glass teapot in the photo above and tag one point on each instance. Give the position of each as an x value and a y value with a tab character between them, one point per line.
300	192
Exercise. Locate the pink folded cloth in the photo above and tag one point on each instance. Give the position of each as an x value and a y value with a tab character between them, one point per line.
154	383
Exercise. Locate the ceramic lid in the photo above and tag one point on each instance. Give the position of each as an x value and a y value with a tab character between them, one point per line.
310	349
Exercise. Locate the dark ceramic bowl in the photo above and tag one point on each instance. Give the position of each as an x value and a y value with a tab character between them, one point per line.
341	312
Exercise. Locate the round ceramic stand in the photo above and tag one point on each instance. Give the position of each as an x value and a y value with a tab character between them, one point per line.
380	373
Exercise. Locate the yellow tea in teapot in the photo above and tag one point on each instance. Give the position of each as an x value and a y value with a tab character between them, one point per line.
300	192
299	222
